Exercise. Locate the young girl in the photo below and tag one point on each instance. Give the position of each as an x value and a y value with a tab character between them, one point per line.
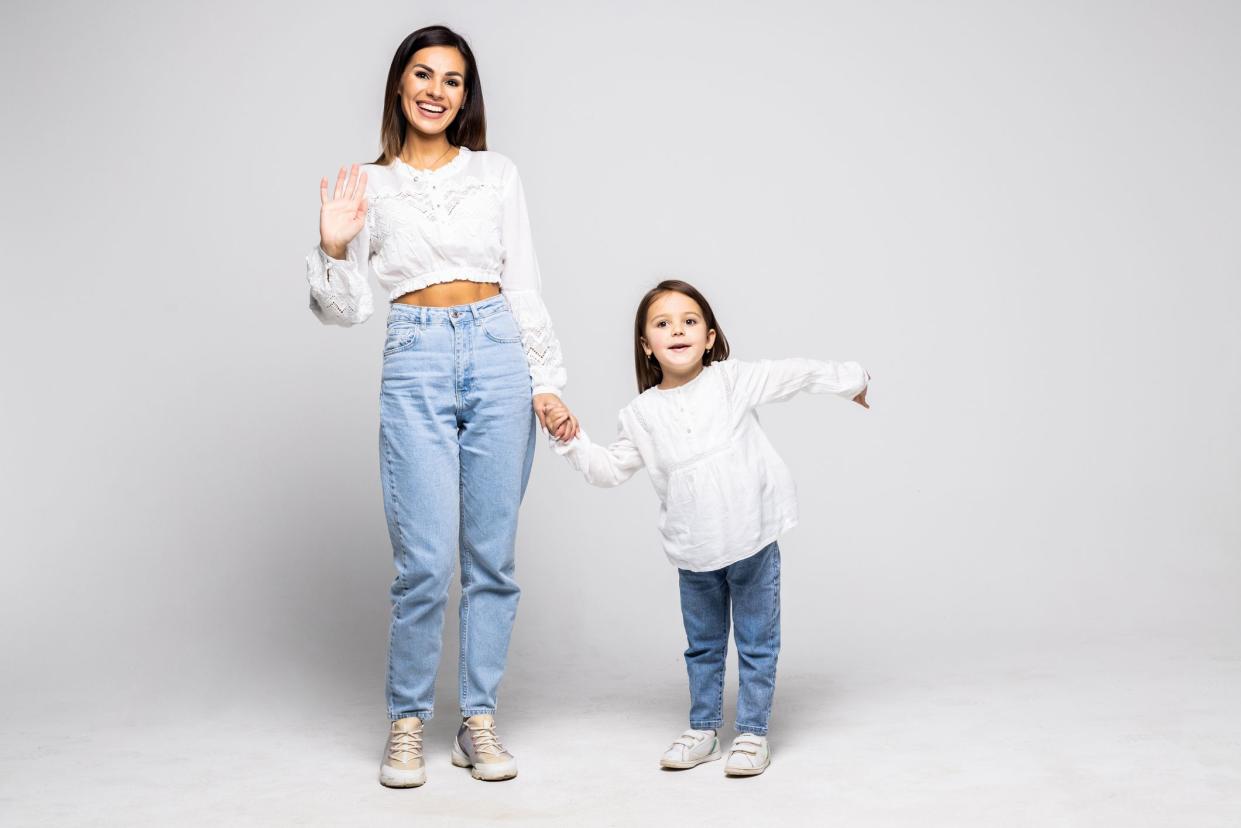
725	496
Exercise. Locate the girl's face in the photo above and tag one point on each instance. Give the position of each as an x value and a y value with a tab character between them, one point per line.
676	333
433	88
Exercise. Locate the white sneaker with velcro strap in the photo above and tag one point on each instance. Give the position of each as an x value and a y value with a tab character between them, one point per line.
749	755
690	749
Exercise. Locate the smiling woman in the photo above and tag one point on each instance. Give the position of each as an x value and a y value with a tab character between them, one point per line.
469	362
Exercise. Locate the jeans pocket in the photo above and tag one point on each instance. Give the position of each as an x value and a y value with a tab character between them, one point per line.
502	327
401	337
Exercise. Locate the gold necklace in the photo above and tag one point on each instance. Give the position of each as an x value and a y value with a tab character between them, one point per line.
431	166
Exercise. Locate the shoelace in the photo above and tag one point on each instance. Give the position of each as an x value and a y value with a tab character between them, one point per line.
485	740
407	743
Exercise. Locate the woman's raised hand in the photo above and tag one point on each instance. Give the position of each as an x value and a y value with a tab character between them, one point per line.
342	215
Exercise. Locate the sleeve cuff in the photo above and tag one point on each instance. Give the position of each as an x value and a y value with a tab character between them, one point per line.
864	381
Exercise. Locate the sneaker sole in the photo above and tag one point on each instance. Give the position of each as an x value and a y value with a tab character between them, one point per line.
693	763
395	778
746	771
486	772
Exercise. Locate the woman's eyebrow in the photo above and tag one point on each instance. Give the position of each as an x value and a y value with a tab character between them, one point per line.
432	71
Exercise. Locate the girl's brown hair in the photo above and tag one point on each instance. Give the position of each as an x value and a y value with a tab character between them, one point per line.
468	129
648	370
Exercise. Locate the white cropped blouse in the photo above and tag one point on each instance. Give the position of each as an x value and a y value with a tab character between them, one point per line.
464	220
724	492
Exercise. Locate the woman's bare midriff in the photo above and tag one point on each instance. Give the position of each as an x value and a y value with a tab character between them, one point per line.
447	294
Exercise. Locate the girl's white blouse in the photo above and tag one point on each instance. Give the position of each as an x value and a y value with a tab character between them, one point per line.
465	220
724	492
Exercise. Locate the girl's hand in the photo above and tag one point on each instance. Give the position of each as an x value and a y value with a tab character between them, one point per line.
860	399
555	417
343	215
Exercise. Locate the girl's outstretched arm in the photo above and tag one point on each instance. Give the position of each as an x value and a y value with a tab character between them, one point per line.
774	380
608	465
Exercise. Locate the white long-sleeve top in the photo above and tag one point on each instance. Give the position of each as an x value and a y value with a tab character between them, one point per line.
465	220
724	492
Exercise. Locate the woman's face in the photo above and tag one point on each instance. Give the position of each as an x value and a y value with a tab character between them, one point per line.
433	88
676	333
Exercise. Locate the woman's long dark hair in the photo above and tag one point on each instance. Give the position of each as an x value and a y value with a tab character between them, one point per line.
648	370
468	129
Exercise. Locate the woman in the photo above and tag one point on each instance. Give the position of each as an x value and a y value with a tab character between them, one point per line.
469	362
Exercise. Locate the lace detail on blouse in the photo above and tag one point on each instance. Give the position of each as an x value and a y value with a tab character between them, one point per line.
339	294
537	337
432	204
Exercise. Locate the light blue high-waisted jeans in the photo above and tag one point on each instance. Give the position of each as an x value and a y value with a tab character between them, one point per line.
456	441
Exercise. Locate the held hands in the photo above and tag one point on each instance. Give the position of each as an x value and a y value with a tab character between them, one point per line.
555	417
341	216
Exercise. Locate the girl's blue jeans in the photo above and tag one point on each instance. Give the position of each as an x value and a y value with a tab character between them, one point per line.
750	589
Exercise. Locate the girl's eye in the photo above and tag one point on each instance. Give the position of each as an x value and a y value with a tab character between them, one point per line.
661	323
454	83
691	321
420	74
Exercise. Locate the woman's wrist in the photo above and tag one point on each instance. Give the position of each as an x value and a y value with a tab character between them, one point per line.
333	251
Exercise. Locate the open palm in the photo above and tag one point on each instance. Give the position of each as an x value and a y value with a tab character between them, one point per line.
342	214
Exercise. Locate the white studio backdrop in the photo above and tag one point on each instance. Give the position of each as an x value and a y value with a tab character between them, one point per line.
1021	219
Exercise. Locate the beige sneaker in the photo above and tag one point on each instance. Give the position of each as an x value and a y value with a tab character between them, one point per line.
402	766
478	748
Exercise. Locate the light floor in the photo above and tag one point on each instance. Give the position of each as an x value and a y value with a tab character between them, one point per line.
1106	738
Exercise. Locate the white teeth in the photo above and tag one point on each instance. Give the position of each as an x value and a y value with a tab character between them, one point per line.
430	108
